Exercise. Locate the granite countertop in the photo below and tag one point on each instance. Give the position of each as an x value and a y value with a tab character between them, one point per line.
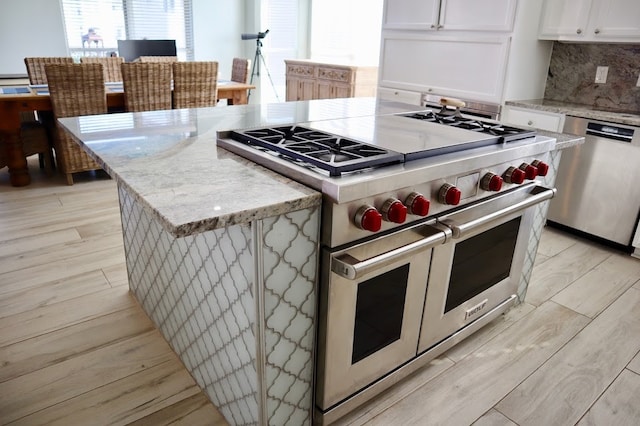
578	110
170	162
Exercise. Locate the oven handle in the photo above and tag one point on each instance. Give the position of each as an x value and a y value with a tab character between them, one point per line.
533	195
351	268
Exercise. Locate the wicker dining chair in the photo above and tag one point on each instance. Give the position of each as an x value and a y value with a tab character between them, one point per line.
111	66
240	70
35	67
147	86
75	89
169	59
36	130
195	84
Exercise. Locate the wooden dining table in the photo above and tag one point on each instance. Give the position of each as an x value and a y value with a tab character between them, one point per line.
11	105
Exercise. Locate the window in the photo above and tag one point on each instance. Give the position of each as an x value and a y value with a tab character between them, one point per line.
94	27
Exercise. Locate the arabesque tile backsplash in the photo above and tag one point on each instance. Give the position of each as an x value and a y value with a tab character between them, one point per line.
573	69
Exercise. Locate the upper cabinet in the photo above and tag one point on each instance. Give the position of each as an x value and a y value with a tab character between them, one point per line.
454	15
608	21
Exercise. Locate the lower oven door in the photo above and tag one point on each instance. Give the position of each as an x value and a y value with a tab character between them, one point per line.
371	302
480	268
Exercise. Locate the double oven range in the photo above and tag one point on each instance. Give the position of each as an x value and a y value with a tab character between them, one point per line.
426	218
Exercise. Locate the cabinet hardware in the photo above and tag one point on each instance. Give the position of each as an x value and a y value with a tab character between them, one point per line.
579	31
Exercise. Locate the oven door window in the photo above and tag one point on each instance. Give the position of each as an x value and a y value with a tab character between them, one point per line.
480	262
379	312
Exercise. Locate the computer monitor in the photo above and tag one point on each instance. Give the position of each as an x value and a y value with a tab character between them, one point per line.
133	49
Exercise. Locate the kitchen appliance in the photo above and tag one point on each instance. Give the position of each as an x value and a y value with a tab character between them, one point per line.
424	231
597	181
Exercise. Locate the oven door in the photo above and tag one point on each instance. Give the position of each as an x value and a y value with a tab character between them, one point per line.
371	302
480	268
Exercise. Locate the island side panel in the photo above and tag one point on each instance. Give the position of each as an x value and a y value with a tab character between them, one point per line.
290	256
539	220
198	292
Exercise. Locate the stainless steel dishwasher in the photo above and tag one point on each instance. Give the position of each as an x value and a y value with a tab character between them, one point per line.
598	182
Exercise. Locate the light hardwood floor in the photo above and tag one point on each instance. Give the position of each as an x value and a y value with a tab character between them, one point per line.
75	348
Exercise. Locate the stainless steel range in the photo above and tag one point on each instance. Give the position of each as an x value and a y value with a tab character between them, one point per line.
425	221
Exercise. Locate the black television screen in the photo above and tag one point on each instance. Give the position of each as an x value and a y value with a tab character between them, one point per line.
133	49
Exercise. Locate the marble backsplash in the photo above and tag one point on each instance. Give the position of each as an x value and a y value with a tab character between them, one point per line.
573	69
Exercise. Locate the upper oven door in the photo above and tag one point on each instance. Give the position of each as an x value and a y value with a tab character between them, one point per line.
371	302
481	267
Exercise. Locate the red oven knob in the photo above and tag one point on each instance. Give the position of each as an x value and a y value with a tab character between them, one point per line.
530	172
394	211
513	175
543	168
418	204
449	194
368	218
491	182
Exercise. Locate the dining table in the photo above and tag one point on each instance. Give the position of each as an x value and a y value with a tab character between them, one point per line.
17	99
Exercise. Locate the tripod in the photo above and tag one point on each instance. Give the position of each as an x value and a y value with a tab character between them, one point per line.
255	71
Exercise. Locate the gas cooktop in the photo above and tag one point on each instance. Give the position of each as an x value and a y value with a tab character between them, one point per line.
353	144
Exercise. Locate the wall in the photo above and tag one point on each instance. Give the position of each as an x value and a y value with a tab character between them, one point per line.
29	28
573	68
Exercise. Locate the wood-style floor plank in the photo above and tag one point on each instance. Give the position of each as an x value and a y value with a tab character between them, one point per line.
552	276
619	405
65	343
50	293
52	385
193	411
598	288
634	365
122	401
574	378
493	418
43	241
116	274
553	242
69	312
465	391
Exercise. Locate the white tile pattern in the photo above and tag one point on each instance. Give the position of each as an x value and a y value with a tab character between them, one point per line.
198	292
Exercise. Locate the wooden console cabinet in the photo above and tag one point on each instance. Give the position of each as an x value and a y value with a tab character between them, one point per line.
308	80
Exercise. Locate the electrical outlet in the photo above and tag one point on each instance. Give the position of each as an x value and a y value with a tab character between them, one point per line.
601	74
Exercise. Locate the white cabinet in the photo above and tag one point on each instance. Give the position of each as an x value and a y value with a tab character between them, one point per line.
405	96
591	21
466	66
553	122
454	15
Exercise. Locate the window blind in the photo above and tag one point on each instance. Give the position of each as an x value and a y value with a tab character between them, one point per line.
94	26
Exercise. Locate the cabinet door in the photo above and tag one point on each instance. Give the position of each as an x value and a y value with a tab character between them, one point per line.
477	15
324	89
340	90
615	19
300	89
469	67
410	14
544	120
565	18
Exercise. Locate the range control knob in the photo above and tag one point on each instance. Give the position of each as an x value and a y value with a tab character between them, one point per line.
513	175
491	182
543	168
368	218
530	172
449	194
418	204
394	211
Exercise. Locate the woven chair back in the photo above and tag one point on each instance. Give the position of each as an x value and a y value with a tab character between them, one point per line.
110	64
75	89
240	70
195	84
169	59
147	86
35	67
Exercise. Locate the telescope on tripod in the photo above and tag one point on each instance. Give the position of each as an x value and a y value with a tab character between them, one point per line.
255	71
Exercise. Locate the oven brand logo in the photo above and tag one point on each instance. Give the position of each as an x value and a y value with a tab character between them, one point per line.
474	310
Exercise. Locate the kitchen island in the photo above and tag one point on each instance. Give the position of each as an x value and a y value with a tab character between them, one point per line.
222	253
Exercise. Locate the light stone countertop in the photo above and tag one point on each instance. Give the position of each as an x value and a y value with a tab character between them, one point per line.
170	162
578	110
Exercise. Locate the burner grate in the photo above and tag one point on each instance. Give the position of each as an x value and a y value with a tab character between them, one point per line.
328	152
504	133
